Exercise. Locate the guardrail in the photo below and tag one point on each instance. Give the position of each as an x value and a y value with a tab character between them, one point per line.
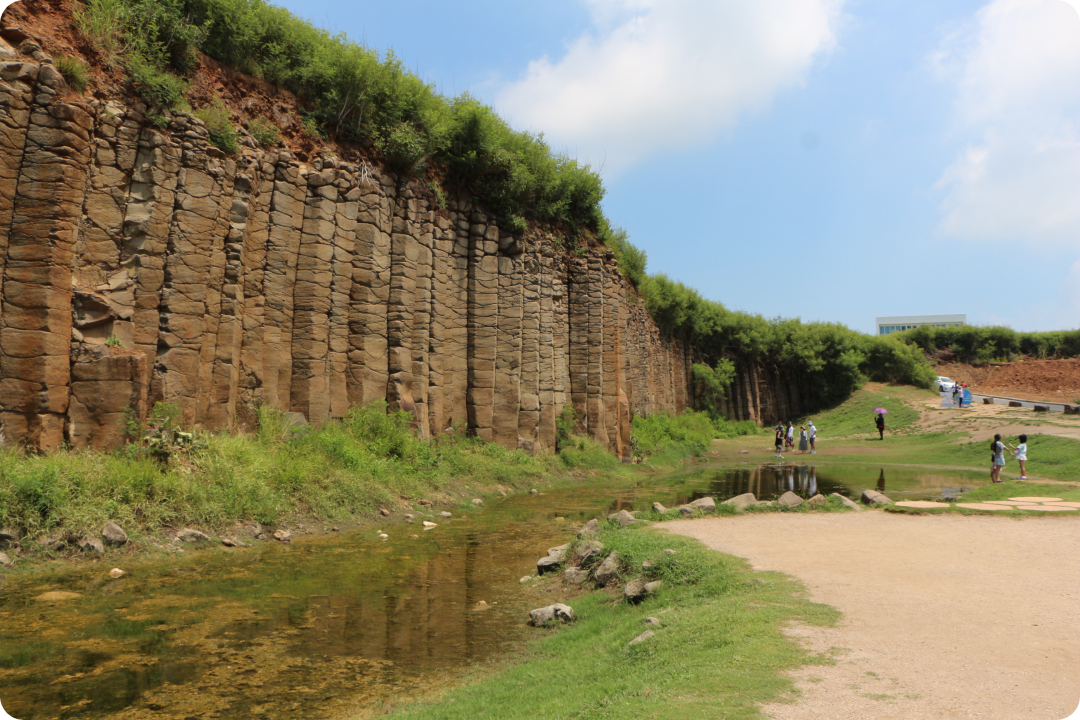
1036	405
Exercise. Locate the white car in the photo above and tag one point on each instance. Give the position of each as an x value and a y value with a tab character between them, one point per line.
944	384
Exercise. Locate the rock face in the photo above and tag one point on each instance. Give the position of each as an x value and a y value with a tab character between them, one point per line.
240	280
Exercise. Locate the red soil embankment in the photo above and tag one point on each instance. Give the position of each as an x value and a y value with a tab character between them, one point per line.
1052	380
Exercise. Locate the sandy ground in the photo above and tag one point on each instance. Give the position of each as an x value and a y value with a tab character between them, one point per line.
944	616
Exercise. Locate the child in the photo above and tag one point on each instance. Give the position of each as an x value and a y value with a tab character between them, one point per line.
997	459
1020	453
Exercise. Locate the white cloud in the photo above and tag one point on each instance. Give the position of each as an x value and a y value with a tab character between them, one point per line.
1018	102
657	75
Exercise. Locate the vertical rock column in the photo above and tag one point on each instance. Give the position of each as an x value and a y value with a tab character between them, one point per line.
404	252
35	334
256	233
594	404
482	327
370	294
528	430
282	253
508	352
420	342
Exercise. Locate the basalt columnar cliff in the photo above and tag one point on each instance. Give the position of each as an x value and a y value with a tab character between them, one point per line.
141	264
235	281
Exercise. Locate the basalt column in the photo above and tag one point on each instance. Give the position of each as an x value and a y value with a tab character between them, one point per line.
35	325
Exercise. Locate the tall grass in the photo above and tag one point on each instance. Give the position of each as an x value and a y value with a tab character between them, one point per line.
680	436
353	466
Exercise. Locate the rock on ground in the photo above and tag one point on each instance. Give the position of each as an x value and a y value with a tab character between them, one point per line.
92	544
588	552
741	501
189	535
575	576
634	590
790	500
548	564
658	508
848	502
5	561
873	497
557	613
589	529
608	570
283	535
706	504
114	534
642	637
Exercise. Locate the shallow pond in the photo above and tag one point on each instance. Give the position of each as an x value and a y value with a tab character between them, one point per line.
337	626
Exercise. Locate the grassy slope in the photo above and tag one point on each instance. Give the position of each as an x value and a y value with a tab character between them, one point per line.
719	653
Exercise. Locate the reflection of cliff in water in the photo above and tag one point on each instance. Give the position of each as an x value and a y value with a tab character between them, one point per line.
769	481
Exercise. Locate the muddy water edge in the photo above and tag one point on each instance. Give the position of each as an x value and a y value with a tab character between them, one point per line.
337	626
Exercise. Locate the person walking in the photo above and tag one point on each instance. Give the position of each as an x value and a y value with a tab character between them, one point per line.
803	445
1020	453
880	422
790	444
779	439
997	459
813	437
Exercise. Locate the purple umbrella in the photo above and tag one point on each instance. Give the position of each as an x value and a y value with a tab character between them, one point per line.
883	411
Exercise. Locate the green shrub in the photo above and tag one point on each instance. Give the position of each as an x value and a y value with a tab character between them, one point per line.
103	23
982	344
74	71
264	131
403	148
222	131
631	260
164	90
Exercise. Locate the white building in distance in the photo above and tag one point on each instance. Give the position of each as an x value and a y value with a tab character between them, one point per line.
889	325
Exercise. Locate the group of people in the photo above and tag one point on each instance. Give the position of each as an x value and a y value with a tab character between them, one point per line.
785	438
997	457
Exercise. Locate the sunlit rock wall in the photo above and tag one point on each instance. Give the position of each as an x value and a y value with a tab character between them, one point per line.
238	281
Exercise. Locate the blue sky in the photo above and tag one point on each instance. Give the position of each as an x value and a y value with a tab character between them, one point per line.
832	160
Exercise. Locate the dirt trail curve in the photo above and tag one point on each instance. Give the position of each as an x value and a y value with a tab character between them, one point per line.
944	616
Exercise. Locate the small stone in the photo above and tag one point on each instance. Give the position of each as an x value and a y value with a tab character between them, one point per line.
706	504
282	535
655	622
409	516
847	501
667	551
534	491
658	508
189	535
634	591
623	518
334	529
552	613
686	510
414	537
790	500
559	550
525	579
114	534
384	512
478	502
741	501
384	536
642	637
653	587
818	499
232	542
116	573
425	503
445	514
575	576
5	561
481	606
429	524
92	544
608	570
589	529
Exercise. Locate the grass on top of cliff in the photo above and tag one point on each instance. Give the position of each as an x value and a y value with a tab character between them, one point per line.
367	460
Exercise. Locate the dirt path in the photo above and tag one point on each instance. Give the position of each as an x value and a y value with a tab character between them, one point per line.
944	616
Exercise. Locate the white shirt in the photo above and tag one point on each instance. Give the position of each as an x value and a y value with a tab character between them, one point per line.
813	432
1021	451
